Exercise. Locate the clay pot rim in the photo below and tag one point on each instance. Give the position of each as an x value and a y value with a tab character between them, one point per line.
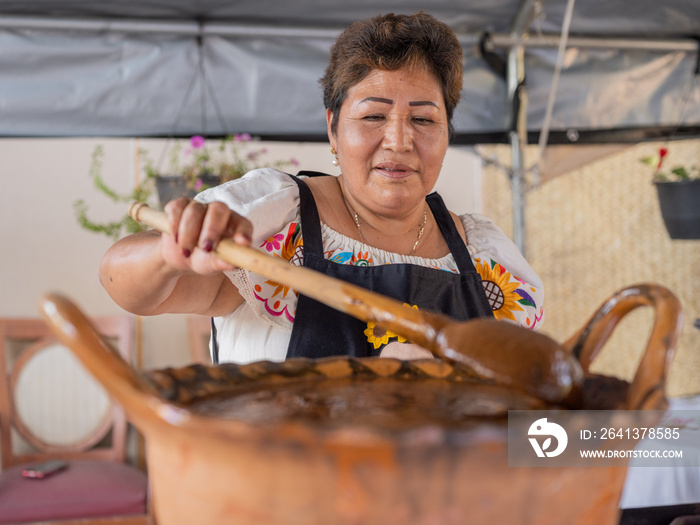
175	401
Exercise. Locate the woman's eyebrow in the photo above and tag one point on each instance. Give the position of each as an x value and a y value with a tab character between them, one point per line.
389	101
378	99
422	103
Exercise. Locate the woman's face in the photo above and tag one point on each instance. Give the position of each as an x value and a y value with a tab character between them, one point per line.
391	138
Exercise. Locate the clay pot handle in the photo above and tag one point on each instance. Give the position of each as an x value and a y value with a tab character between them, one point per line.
647	390
75	330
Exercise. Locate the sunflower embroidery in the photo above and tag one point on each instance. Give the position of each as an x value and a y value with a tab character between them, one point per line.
500	292
378	336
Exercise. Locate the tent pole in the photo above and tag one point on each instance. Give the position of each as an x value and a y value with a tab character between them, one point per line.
622	43
517	136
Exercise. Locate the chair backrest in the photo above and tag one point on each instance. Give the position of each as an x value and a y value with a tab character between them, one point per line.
50	406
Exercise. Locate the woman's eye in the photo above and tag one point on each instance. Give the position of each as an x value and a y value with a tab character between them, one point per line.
423	120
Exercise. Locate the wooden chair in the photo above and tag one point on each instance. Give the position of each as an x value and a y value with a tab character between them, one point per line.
199	333
46	398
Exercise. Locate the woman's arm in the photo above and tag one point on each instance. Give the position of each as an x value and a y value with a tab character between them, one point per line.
149	273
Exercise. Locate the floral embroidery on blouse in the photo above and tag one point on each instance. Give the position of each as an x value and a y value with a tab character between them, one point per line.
510	297
361	259
505	295
290	248
340	258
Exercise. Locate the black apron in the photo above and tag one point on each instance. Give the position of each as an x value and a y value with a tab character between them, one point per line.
321	331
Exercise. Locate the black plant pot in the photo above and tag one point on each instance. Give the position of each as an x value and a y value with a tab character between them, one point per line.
680	208
171	187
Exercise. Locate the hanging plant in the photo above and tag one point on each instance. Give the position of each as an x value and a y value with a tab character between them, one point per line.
675	174
112	229
678	190
191	169
202	165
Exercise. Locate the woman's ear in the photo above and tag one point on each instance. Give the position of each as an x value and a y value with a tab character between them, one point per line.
329	124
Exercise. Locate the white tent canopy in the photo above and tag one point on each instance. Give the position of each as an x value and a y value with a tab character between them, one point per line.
123	68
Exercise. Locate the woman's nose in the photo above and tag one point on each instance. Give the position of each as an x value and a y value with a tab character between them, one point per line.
398	134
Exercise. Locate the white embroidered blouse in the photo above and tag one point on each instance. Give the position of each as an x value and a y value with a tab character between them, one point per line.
260	328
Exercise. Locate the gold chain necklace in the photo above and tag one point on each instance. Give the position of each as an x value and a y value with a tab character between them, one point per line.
420	231
357	220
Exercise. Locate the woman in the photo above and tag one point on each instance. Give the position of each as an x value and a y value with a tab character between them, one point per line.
390	91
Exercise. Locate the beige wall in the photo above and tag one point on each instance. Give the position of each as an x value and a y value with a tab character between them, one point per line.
44	249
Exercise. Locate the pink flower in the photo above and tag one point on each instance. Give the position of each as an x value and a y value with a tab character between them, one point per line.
242	137
197	141
294	161
198	185
273	243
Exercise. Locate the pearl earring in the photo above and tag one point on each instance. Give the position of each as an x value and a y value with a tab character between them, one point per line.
335	156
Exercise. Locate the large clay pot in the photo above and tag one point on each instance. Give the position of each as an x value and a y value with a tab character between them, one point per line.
364	441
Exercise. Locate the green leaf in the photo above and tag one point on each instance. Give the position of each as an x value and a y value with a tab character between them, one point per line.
681	173
110	229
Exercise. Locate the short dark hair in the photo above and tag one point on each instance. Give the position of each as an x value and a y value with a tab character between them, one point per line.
390	42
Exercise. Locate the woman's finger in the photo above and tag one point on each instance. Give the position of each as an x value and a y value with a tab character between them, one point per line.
173	211
240	230
190	226
198	225
217	225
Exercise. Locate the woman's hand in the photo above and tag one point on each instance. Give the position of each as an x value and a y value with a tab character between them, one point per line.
405	351
150	273
197	230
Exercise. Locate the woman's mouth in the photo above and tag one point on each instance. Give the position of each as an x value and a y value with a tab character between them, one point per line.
393	170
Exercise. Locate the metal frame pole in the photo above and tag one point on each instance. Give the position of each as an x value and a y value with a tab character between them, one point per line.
225	29
515	75
517	138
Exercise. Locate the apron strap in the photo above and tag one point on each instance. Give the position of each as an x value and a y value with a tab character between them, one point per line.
449	232
310	221
214	344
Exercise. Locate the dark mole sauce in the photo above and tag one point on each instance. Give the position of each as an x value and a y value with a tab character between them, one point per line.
382	403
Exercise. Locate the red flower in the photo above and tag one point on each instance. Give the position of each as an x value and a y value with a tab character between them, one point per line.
662	153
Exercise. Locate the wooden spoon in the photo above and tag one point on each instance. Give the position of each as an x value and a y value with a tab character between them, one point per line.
496	351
